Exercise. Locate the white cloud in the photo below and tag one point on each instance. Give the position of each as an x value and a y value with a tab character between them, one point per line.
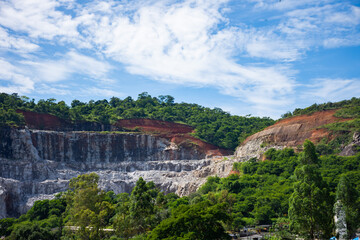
71	63
326	89
318	25
41	19
181	43
18	44
16	82
188	42
54	90
101	92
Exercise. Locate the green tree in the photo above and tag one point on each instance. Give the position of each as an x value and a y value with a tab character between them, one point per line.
123	223
199	221
309	156
142	205
5	226
87	207
30	231
348	196
310	204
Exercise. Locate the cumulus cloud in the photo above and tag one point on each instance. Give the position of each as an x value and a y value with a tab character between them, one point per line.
14	80
187	42
69	64
19	44
327	89
181	43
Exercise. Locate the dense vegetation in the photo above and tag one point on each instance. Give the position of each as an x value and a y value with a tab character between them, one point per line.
211	125
354	102
295	193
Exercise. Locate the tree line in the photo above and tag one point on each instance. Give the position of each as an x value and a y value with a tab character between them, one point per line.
214	126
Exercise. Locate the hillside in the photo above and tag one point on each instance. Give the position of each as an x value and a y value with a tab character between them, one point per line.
331	126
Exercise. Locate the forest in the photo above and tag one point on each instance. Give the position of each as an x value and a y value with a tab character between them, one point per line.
294	193
214	126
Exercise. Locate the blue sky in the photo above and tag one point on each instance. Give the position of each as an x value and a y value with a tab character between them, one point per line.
259	57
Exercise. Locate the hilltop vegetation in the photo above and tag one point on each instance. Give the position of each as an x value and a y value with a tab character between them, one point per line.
211	125
353	104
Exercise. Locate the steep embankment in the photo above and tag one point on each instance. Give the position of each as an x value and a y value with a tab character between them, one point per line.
290	132
38	161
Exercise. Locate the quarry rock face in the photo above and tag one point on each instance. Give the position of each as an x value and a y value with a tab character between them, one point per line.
290	132
353	147
37	163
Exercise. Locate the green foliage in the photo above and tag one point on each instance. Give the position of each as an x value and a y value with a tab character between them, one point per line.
142	205
309	156
210	185
87	207
310	205
6	226
212	125
45	208
354	102
30	231
8	106
198	221
349	112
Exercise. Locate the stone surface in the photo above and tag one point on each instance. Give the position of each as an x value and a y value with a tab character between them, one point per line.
353	147
36	164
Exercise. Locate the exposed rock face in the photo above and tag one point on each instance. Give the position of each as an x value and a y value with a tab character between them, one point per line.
36	164
24	182
353	147
290	132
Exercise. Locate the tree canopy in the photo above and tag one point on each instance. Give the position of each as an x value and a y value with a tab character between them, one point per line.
211	125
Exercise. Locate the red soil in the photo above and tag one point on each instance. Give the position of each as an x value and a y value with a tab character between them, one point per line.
156	126
293	131
43	121
175	132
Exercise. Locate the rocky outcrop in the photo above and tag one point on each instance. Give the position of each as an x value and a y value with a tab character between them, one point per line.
36	164
24	182
353	147
290	132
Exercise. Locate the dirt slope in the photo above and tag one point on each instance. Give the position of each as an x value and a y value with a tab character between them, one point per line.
290	132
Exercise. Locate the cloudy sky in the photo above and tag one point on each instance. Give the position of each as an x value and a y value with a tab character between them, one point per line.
259	57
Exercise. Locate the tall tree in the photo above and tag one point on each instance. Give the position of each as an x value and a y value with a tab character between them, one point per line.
142	206
310	204
309	156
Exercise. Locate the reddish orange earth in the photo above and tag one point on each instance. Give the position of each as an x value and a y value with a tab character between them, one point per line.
293	131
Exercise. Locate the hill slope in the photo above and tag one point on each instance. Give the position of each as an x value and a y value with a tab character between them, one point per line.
331	129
